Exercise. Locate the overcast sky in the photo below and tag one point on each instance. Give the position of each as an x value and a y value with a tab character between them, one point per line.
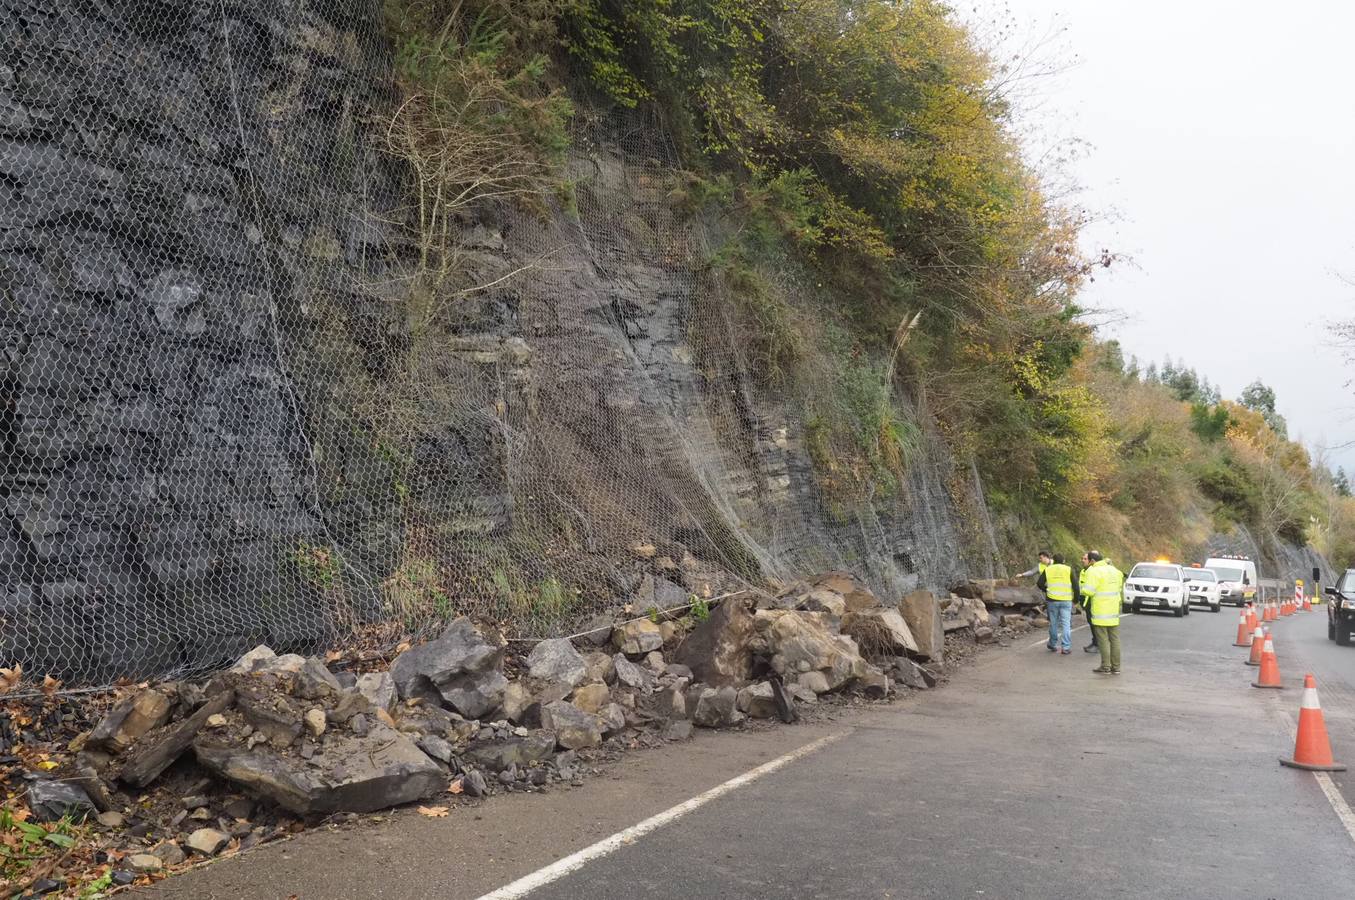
1222	137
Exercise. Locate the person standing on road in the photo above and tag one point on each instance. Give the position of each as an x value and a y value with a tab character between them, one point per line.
1057	583
1084	601
1103	585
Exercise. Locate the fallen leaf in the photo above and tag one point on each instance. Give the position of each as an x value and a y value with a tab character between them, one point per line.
433	812
50	685
48	765
10	678
457	786
402	647
385	718
332	655
22	814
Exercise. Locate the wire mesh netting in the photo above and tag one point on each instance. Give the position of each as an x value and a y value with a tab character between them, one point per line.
231	416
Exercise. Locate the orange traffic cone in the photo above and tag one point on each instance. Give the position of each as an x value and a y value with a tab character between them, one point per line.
1288	608
1307	603
1270	668
1270	612
1242	631
1258	645
1252	621
1312	749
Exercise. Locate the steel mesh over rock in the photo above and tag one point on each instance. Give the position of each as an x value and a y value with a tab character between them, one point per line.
225	423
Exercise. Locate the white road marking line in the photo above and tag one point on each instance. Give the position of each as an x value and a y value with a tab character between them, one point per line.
1045	641
575	861
1338	803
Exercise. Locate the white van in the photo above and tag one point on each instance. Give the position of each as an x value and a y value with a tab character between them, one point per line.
1237	578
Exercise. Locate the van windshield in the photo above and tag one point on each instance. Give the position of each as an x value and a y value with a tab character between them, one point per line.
1200	575
1228	574
1142	571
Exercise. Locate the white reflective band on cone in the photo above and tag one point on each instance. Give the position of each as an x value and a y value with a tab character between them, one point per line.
1267	647
1309	699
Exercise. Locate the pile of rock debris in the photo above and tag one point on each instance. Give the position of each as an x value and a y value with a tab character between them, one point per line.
282	738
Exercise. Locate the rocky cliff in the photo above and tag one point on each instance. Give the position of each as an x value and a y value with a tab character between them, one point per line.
228	420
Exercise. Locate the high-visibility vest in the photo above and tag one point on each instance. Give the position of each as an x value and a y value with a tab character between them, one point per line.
1058	582
1104	585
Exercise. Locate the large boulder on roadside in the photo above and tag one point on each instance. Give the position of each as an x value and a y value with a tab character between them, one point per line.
879	632
638	637
347	773
719	650
557	660
459	669
632	675
758	701
922	612
714	707
497	755
574	729
798	643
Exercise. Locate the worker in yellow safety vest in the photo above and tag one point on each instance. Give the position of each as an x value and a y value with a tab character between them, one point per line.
1057	583
1103	588
1045	560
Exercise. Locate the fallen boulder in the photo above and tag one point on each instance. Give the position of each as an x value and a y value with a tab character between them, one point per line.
879	632
718	651
591	698
53	800
127	722
800	643
346	773
632	675
574	729
758	701
159	750
459	669
922	613
379	690
714	707
638	637
557	660
854	592
497	755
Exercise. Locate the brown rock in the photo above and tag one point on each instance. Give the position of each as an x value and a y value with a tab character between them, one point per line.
718	651
158	754
591	698
922	612
127	722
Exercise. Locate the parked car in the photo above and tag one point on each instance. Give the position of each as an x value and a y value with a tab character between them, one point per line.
1157	586
1341	609
1202	585
1237	578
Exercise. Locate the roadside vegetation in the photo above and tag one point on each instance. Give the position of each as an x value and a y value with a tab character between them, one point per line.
895	262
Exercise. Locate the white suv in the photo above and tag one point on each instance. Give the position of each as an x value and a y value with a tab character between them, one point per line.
1157	586
1203	586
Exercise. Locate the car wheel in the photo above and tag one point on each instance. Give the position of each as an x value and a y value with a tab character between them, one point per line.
1331	629
1179	612
1215	607
1135	607
1185	607
1343	633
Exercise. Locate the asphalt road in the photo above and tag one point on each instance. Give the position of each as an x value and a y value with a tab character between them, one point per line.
1027	776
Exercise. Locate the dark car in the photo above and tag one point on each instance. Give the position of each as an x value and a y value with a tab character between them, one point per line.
1341	609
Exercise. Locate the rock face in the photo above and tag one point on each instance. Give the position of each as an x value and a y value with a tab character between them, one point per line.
347	773
718	650
557	660
459	669
922	612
